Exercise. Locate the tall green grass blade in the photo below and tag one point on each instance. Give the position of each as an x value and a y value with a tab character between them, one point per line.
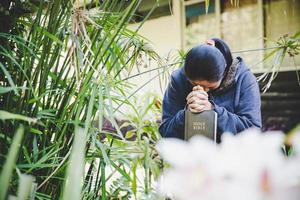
90	109
25	187
9	78
49	35
121	171
4	90
4	115
103	180
134	179
10	163
74	176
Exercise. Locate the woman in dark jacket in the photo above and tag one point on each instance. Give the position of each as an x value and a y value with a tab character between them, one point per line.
212	80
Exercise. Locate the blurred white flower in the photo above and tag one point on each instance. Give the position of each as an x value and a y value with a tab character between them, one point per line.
249	165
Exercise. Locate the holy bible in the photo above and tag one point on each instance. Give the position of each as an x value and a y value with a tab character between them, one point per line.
204	123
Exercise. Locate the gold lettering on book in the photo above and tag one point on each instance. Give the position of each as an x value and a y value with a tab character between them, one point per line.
199	126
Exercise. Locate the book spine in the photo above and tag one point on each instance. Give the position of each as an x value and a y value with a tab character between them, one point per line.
185	125
215	127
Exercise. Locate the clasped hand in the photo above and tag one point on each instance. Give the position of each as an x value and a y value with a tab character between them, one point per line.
197	100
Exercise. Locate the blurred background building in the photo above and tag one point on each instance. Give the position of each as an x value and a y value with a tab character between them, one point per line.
249	28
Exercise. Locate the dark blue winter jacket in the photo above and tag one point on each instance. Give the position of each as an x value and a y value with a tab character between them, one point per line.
237	104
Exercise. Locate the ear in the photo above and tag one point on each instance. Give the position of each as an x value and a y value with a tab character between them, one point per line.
210	42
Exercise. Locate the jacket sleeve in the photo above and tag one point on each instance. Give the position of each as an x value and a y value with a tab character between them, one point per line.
248	112
173	111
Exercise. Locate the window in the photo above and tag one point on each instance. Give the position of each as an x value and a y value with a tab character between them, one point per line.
282	17
164	8
200	26
242	28
194	11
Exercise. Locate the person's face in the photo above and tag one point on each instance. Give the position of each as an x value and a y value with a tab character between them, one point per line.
207	86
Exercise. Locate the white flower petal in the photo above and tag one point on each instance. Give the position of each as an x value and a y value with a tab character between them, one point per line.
249	165
174	151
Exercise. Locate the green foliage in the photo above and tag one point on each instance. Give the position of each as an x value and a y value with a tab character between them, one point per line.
68	70
286	46
76	167
10	163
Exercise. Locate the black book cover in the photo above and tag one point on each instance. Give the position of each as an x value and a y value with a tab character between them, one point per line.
204	123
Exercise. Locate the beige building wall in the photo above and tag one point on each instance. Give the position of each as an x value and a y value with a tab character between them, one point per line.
163	32
165	35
